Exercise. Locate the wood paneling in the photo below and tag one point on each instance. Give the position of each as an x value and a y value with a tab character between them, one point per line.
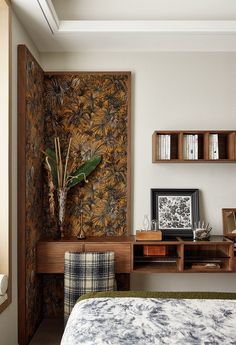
122	254
50	255
21	196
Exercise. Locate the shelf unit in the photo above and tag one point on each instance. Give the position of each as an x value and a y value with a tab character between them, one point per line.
226	146
186	256
132	255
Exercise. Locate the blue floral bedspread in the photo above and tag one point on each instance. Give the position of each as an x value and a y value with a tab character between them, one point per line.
142	321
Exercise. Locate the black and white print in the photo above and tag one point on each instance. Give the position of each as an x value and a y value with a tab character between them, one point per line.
152	321
175	212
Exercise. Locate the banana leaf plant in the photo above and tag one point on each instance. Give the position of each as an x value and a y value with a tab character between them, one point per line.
62	178
63	175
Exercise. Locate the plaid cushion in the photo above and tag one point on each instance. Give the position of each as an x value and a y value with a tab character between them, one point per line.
86	272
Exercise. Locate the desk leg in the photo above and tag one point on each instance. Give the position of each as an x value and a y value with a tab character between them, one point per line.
123	281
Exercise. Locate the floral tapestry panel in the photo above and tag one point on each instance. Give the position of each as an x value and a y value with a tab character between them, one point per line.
53	295
94	110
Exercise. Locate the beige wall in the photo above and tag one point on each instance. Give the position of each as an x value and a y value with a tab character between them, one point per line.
173	91
8	319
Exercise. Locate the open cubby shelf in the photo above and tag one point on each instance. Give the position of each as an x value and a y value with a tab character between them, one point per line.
156	268
174	150
215	255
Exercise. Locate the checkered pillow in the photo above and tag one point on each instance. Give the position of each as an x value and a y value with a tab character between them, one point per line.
86	272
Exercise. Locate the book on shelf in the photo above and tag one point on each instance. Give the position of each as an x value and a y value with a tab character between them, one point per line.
213	146
164	142
195	146
190	142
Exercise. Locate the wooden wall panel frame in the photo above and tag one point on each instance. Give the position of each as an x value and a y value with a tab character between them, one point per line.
21	195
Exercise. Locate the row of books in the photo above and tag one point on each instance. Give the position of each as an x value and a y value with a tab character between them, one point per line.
190	146
164	146
213	146
190	149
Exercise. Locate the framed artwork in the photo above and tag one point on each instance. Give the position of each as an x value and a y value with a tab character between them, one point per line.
176	210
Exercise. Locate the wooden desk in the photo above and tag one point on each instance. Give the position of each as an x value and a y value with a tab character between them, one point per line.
50	254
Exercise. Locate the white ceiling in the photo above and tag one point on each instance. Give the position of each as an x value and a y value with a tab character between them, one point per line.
129	25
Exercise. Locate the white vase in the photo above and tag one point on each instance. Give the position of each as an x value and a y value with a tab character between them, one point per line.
146	223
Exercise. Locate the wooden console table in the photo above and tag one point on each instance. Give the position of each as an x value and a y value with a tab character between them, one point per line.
182	256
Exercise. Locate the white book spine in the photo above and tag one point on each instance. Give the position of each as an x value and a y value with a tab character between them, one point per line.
191	150
195	139
215	147
211	146
185	147
189	146
159	147
162	147
168	146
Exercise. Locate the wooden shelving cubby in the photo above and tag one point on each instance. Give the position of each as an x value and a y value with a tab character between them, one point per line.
176	148
186	256
171	261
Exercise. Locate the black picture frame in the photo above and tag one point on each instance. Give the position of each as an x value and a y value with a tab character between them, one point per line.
168	207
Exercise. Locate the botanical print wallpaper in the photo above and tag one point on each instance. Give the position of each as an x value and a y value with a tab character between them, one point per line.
34	122
92	109
53	295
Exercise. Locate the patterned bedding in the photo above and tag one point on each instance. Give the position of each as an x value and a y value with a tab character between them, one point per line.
151	321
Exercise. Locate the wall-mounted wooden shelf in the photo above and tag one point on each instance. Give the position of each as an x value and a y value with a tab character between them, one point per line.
215	255
177	146
180	256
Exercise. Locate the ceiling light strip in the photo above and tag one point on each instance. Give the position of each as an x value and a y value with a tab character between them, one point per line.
173	26
50	14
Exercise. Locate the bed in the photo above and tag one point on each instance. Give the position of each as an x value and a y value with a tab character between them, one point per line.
145	318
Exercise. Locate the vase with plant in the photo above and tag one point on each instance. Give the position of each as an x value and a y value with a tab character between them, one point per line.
63	174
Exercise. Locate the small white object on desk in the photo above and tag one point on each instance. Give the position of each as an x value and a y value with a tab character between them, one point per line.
3	284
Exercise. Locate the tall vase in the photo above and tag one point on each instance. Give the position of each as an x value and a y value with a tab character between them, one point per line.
61	195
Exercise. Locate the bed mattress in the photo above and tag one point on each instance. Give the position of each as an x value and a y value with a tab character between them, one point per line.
146	321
